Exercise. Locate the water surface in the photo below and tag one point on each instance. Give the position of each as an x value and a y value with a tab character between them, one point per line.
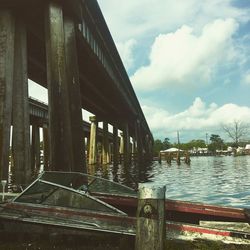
221	180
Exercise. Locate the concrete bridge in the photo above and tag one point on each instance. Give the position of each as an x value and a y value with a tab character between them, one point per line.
66	47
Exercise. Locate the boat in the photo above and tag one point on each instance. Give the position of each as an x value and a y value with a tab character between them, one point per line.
72	203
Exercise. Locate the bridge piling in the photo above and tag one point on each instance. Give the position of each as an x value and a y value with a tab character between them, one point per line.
20	108
61	157
93	140
115	145
35	148
7	34
45	148
73	89
105	144
126	140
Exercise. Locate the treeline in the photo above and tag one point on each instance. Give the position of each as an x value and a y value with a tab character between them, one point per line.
215	143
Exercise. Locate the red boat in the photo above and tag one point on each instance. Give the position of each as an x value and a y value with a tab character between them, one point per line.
80	204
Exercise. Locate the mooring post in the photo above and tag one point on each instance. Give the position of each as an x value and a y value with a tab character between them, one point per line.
151	226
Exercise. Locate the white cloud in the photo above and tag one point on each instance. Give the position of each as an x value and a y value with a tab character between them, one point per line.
141	18
198	118
246	78
126	52
185	58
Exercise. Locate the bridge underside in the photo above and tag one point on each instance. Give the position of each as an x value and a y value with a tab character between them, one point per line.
66	47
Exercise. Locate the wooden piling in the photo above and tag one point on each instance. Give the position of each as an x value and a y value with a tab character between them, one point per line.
7	34
45	148
93	140
126	141
151	226
74	94
35	149
20	108
61	148
115	145
105	144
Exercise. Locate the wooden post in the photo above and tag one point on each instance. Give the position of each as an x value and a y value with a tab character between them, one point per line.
151	225
35	148
93	140
115	146
7	34
61	148
73	89
20	109
138	135
105	144
159	158
126	140
45	148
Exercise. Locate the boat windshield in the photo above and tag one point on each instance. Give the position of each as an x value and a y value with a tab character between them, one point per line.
89	183
72	190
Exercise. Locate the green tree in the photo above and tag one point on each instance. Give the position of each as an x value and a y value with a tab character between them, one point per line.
158	146
216	143
166	144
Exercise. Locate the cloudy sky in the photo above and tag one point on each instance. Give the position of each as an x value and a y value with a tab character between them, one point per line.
188	61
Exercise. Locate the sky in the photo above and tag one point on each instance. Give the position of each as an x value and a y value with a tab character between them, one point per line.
188	61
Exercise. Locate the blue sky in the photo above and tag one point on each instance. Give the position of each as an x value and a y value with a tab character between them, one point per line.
188	61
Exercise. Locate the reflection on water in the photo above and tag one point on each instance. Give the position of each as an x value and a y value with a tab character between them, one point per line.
214	180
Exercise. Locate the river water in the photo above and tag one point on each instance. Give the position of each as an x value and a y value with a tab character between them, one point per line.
214	180
221	180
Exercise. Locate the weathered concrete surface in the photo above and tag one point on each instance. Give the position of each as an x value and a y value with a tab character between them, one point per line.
7	34
20	117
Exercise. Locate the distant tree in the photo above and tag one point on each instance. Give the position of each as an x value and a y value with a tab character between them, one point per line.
158	146
236	130
197	144
216	143
166	143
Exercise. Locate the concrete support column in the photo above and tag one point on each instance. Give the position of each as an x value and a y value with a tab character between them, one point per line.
35	148
21	121
138	135
61	148
105	144
93	140
121	146
46	148
7	34
126	139
73	85
115	145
